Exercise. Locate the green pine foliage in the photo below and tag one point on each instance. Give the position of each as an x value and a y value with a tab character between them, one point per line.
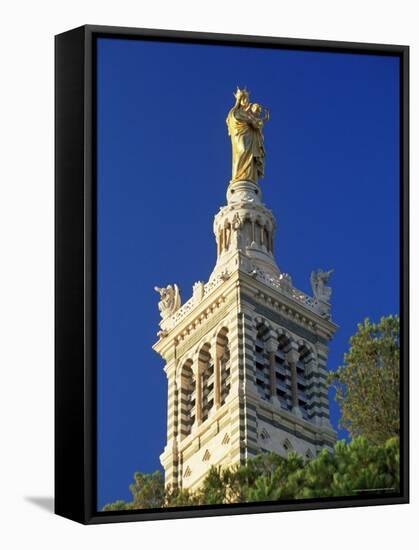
368	383
367	390
353	469
116	506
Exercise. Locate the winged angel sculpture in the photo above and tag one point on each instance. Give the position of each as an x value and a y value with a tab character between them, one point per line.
169	300
319	280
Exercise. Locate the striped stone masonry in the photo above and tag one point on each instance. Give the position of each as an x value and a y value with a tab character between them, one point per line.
246	360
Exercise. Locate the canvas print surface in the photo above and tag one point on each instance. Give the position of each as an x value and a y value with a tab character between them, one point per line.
248	274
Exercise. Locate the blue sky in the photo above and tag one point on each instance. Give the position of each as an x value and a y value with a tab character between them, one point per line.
163	165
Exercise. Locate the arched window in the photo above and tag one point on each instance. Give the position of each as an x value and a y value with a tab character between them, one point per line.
283	374
261	362
266	239
223	364
187	399
247	236
258	233
206	370
302	383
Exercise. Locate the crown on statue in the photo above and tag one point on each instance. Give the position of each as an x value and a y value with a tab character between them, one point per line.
240	92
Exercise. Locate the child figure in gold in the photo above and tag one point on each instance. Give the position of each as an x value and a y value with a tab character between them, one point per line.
245	122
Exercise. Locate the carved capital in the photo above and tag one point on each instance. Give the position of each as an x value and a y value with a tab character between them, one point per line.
271	344
292	356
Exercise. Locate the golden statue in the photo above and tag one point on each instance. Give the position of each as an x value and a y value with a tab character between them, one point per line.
245	122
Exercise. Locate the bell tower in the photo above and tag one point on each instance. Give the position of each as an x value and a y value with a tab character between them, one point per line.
246	354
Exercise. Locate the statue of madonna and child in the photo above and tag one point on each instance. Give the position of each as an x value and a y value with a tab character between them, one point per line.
245	123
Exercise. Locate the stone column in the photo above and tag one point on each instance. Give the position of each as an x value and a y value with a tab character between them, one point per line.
253	232
170	370
178	405
292	359
310	374
169	457
217	374
228	236
271	346
322	386
198	393
225	238
249	334
236	239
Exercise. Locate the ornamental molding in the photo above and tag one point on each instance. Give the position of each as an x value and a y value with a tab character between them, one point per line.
191	335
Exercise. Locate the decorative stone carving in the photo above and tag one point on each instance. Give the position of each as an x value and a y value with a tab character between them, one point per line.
285	281
264	434
318	280
206	456
198	291
322	293
226	439
237	222
287	445
224	275
169	300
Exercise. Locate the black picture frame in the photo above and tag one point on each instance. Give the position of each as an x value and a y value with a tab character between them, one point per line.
75	265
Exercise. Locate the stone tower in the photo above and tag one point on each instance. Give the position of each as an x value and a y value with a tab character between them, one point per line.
246	354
